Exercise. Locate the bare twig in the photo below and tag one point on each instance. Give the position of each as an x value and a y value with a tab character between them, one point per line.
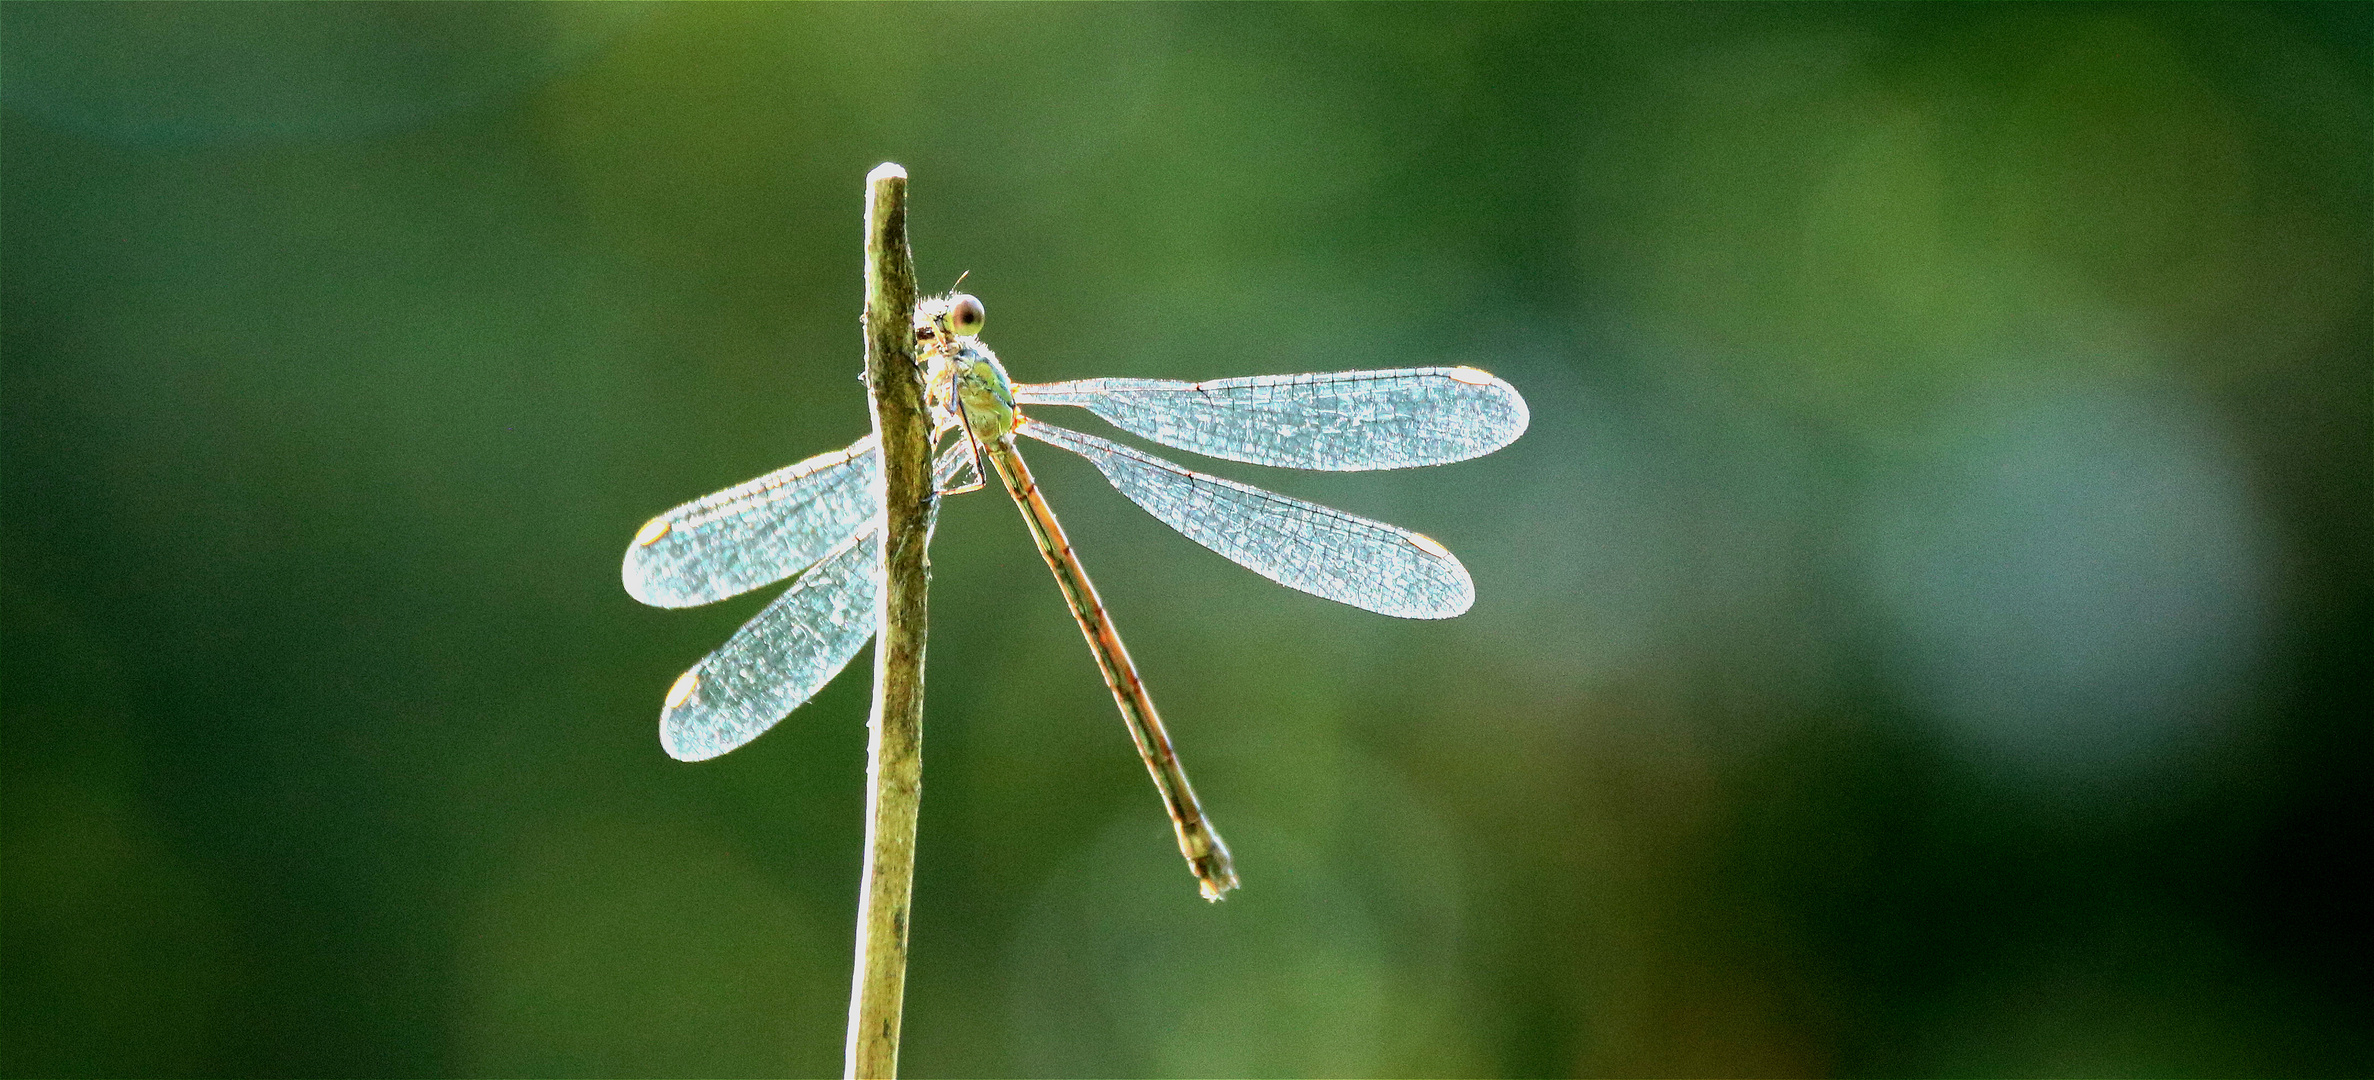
894	771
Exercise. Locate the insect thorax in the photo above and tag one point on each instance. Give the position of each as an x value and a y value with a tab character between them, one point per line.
982	390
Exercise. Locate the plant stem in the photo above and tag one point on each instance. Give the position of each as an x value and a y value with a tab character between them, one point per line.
894	752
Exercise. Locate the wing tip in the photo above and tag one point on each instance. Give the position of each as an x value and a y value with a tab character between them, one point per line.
686	753
677	740
631	576
1458	605
1431	546
1520	414
1460	593
648	592
631	568
673	733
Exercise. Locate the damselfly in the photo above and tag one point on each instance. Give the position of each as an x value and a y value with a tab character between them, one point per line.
819	520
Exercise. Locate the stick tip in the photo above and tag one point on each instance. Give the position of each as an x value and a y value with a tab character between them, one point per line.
888	170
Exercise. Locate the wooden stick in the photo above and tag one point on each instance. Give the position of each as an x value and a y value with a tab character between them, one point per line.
894	752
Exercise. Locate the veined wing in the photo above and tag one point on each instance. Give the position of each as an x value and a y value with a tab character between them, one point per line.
777	661
1341	421
1350	559
754	533
780	659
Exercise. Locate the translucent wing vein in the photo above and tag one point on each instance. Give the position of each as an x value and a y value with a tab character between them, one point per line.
780	659
777	661
754	533
1338	421
1329	553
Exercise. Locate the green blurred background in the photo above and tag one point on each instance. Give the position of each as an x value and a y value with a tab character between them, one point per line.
1925	630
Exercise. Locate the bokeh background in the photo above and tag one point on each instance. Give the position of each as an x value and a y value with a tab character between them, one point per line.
1925	630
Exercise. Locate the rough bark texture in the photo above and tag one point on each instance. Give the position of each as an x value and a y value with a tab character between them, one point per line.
894	772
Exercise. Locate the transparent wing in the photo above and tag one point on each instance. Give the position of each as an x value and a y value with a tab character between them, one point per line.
1367	564
1341	421
754	533
780	659
777	661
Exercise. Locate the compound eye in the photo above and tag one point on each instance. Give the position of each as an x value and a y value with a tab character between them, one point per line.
965	314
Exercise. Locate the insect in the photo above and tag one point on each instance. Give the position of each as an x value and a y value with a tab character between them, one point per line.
819	519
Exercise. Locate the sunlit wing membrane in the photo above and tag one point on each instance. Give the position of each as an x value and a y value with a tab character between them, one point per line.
956	467
1340	421
780	659
755	533
1329	553
777	661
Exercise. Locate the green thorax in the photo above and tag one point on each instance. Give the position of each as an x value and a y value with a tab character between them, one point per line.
983	392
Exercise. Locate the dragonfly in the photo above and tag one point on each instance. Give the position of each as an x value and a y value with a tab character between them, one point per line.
819	522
